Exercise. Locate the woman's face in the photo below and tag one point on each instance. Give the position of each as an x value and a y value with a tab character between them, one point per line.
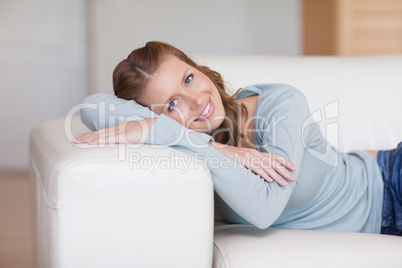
186	95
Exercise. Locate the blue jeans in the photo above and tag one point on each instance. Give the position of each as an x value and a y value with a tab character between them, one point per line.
390	163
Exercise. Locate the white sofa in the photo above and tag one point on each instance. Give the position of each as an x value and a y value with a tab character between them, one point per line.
117	206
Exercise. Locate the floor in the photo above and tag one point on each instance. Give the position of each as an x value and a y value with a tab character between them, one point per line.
16	232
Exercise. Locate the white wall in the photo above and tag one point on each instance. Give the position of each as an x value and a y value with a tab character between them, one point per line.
45	44
42	69
196	27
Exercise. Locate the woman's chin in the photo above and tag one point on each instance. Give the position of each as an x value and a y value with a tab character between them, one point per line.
206	126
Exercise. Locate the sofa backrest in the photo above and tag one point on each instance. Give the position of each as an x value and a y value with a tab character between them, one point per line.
356	100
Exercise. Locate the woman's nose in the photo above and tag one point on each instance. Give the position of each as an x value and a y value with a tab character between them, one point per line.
195	101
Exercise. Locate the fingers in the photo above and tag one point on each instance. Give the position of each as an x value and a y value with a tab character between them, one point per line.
283	161
270	175
276	167
122	133
270	166
286	174
263	174
274	175
101	136
88	138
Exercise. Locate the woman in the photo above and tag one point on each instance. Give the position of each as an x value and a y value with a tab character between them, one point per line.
189	107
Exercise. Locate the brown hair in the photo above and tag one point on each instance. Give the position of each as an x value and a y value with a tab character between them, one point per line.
132	76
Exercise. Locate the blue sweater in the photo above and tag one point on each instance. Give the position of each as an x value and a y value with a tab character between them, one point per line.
333	191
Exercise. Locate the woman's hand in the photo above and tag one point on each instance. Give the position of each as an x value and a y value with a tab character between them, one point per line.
126	132
268	165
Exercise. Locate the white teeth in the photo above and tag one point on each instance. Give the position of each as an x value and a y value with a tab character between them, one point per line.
205	111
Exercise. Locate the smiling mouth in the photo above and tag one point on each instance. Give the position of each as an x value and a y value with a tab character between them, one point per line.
205	112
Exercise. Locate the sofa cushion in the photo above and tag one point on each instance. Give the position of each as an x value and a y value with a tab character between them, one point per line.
247	246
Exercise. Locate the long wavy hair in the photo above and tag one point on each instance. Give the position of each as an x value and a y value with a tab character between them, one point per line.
132	76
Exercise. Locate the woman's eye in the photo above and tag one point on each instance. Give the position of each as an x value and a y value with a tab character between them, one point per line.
188	79
172	104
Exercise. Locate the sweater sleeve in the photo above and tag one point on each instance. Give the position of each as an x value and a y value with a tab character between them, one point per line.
281	129
104	110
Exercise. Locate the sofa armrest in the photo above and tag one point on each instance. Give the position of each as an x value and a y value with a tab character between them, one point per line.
116	206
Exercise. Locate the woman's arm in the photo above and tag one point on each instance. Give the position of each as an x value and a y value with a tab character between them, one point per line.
246	193
104	110
249	195
280	124
135	132
269	166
